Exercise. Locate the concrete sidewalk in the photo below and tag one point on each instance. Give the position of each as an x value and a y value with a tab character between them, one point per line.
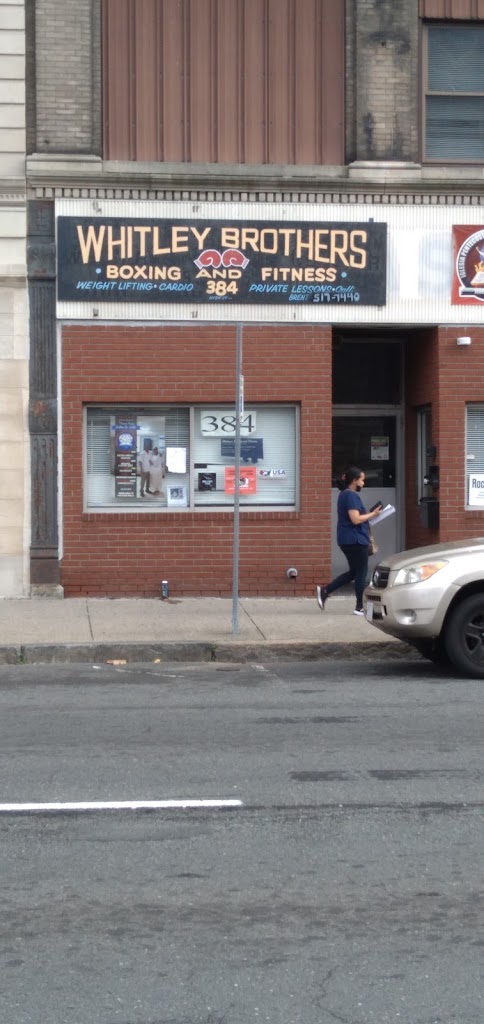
42	630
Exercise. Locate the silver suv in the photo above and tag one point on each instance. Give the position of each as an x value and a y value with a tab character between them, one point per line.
433	598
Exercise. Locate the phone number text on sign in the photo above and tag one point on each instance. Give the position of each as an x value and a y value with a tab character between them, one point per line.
221	423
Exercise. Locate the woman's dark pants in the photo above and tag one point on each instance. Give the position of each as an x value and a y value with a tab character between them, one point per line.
357	558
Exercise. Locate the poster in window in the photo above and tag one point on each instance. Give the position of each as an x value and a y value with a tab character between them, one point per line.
176	495
380	449
125	438
176	460
476	490
272	474
207	481
247	480
151	457
125	461
251	448
125	487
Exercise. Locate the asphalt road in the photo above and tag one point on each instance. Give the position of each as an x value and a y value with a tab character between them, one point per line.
348	887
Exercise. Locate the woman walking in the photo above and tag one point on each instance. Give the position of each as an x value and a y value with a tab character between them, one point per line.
353	537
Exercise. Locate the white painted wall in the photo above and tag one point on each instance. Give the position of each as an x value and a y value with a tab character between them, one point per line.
14	342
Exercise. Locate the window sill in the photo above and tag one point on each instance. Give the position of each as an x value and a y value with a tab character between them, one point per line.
261	511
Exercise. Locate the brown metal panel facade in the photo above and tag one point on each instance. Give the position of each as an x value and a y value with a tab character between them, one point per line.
307	85
280	72
332	118
172	131
117	77
462	10
201	72
224	81
254	83
228	115
146	52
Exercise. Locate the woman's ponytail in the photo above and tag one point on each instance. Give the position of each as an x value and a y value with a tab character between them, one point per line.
350	474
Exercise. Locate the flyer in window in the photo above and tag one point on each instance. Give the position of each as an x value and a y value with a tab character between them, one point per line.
176	460
380	449
176	495
247	480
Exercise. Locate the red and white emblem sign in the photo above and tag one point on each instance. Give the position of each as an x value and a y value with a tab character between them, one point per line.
468	275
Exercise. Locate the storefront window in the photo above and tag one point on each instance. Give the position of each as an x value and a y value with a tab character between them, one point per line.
267	456
475	456
177	458
137	456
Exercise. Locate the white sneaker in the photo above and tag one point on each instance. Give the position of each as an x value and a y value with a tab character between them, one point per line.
358	611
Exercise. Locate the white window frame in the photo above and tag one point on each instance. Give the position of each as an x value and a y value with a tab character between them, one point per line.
474	458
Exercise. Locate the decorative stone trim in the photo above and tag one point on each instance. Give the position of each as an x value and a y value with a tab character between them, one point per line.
451	198
13	198
85	176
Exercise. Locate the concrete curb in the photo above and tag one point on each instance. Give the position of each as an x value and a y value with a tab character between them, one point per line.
195	651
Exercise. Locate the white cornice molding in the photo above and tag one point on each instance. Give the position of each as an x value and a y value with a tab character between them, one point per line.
13	276
12	191
388	172
346	199
83	176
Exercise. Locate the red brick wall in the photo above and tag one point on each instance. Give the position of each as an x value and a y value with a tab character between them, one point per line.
129	553
440	374
461	380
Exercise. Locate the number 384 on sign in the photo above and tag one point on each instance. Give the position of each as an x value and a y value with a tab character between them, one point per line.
221	423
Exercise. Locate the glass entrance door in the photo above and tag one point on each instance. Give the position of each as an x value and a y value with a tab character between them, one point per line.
371	443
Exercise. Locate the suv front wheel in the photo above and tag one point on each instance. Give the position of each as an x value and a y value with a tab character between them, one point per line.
464	636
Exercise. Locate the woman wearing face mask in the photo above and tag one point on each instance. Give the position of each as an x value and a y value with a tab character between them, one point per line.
353	537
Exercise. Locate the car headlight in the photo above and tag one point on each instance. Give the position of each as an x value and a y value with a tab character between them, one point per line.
417	573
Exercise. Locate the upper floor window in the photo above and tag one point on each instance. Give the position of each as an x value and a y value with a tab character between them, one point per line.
453	115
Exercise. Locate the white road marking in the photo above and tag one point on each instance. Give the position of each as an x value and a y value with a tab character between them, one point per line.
117	805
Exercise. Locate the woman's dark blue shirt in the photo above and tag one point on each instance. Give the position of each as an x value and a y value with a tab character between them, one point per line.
346	532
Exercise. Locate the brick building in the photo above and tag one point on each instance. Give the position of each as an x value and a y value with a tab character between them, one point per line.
297	183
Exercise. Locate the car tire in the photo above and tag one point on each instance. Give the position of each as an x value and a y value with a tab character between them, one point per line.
433	650
464	636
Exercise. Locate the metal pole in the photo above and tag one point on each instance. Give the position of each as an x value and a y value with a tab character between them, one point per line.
238	417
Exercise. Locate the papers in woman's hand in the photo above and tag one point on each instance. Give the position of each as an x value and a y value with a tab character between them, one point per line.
385	512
